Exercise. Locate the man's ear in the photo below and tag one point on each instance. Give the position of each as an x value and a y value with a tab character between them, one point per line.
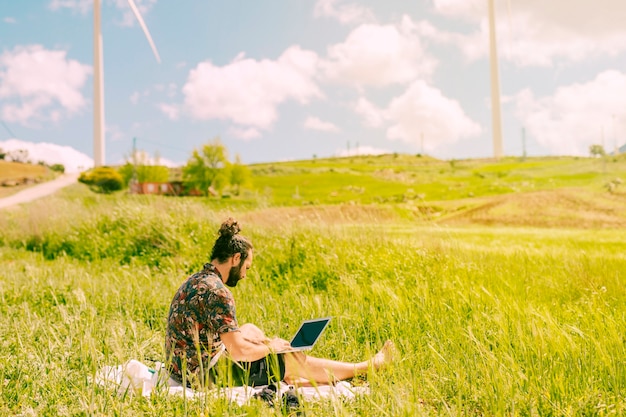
236	259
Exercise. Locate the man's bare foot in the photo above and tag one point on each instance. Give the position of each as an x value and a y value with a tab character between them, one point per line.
384	356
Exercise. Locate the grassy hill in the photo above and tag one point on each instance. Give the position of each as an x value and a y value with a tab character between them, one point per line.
546	192
14	170
17	172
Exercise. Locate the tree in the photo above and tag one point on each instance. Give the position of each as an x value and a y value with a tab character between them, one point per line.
596	151
102	180
143	168
144	173
239	174
207	168
2	153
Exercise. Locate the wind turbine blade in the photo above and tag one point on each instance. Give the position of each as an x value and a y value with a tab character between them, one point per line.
135	10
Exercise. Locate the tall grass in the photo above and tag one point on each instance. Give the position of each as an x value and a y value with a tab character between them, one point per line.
487	321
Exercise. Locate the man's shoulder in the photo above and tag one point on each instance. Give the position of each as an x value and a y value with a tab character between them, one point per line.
204	278
208	280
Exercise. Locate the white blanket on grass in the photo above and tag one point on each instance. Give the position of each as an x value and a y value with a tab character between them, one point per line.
136	378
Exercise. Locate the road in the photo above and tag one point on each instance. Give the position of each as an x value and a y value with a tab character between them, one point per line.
38	191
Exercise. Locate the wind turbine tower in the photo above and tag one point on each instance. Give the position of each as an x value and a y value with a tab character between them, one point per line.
98	89
98	78
496	117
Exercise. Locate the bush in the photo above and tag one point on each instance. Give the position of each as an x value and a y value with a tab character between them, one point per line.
58	168
103	180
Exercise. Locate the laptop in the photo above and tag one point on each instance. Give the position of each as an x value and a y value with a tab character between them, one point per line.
308	334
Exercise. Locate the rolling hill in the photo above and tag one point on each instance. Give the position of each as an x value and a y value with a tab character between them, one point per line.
535	192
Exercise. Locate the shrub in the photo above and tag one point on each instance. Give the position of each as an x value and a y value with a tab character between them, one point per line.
58	168
102	180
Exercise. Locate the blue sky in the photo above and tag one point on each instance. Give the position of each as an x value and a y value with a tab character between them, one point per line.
278	80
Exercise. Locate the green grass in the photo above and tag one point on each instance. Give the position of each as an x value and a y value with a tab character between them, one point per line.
396	178
522	321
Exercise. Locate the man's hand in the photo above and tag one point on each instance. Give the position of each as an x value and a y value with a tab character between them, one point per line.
257	340
278	344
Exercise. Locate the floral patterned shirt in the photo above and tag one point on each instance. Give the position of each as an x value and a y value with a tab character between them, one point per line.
202	309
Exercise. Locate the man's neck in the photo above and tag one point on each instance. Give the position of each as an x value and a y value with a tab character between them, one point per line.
223	270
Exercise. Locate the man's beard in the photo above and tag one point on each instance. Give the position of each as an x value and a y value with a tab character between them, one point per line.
234	275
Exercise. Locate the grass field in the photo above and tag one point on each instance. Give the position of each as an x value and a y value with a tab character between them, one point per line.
494	309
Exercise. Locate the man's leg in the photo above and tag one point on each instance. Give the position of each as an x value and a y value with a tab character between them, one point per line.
307	370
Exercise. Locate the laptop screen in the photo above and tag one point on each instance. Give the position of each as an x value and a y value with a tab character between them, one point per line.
309	332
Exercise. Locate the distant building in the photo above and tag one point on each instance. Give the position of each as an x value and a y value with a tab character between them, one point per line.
175	188
160	188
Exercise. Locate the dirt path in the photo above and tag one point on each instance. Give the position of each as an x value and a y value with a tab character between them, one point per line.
39	191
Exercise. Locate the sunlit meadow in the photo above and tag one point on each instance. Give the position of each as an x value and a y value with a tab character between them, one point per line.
487	320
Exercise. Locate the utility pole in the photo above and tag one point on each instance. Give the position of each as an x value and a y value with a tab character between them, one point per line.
523	143
496	118
134	181
615	151
604	153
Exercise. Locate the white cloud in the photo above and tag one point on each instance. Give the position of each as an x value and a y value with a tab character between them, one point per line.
422	111
171	111
70	158
344	13
128	17
244	133
134	98
379	55
575	116
314	123
467	9
144	158
536	32
79	6
168	162
362	150
371	114
9	19
248	91
40	84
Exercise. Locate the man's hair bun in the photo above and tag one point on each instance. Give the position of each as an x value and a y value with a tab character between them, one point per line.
229	228
230	242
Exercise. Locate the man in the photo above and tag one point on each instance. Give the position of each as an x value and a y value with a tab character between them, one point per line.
202	324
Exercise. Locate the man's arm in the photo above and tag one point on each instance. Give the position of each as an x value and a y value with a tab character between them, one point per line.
241	349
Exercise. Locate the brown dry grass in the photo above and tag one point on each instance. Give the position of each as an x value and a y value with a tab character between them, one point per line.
16	171
563	208
566	208
320	215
